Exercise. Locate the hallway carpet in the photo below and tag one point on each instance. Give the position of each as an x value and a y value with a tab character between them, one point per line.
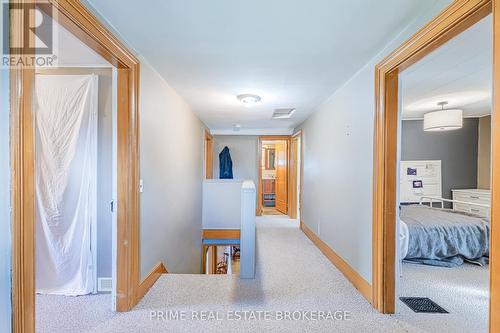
292	275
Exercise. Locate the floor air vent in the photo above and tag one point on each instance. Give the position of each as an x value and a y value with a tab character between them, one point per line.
104	284
422	305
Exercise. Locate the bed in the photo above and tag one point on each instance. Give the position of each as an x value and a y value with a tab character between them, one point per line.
442	237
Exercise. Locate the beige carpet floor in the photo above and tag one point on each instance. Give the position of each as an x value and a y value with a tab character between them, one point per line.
462	291
292	276
68	314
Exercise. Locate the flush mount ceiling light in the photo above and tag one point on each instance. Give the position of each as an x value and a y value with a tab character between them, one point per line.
443	120
249	99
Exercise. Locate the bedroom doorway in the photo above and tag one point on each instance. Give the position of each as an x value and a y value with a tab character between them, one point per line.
32	119
444	183
395	182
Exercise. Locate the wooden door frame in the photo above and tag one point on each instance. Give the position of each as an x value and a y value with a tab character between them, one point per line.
458	16
208	148
286	138
85	26
293	178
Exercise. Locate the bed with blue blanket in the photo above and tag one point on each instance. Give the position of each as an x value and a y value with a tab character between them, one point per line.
443	237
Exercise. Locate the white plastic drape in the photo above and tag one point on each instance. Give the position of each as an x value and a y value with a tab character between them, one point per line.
66	163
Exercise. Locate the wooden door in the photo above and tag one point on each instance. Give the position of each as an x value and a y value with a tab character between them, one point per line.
281	177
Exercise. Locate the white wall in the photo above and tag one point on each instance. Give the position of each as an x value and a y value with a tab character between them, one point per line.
5	234
5	226
104	175
222	204
338	162
172	171
243	149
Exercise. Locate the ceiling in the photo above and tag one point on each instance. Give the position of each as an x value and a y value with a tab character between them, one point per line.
458	72
294	54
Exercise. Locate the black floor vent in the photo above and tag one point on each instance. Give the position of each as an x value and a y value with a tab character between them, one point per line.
422	304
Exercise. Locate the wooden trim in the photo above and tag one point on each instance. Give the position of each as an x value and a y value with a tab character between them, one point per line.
73	16
23	189
293	178
356	280
102	71
301	174
204	250
150	279
300	134
128	246
208	150
78	20
457	17
286	138
221	234
213	260
494	318
22	156
259	208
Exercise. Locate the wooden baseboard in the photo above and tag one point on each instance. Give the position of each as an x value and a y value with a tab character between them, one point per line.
150	280
221	233
357	281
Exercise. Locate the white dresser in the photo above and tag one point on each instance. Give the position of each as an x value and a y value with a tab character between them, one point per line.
474	196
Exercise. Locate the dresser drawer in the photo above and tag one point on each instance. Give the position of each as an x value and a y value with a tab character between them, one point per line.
481	211
479	198
461	207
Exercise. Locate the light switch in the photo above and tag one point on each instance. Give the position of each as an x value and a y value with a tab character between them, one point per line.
141	186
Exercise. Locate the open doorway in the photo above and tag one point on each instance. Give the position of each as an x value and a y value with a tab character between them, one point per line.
33	119
279	175
444	187
74	111
274	175
452	23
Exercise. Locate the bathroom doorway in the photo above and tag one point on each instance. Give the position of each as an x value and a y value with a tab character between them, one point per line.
279	175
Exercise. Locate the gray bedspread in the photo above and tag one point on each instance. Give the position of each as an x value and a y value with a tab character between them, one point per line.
445	238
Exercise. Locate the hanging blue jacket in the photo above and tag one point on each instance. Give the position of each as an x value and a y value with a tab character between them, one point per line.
225	164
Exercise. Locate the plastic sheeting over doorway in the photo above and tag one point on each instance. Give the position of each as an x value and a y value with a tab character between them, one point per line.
66	167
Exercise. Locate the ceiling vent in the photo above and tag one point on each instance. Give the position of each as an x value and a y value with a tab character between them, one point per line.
283	113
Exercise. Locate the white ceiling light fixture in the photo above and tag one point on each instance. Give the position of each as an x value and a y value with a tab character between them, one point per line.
443	120
249	100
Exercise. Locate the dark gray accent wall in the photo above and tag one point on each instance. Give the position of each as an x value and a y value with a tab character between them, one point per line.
456	149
